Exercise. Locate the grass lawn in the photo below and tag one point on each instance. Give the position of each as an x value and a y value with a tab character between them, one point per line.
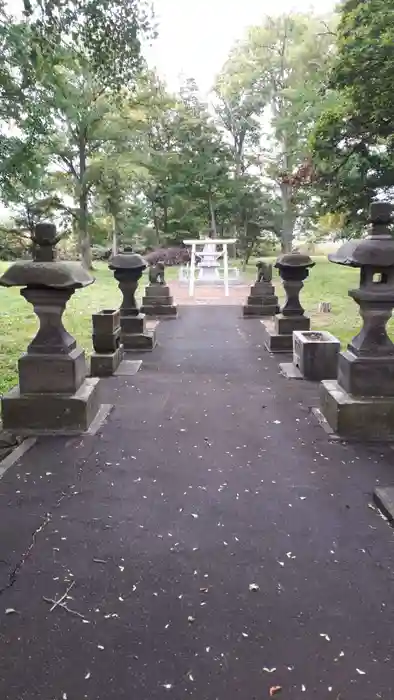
327	282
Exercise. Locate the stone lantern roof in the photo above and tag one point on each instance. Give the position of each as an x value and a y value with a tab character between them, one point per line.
127	261
377	250
294	259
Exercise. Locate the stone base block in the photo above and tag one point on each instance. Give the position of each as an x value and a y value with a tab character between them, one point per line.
285	325
157	291
131	324
259	310
51	414
106	364
279	332
384	499
158	309
279	343
354	417
52	374
262	289
315	353
366	376
139	341
290	371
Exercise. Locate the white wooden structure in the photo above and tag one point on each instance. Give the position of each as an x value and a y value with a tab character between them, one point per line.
211	256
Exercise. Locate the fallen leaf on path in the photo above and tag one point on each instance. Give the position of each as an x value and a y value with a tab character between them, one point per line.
275	690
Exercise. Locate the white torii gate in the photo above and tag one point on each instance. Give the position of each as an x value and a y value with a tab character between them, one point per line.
225	242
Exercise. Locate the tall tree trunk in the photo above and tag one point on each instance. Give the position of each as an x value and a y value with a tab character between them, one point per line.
83	215
156	226
289	218
114	236
165	219
212	215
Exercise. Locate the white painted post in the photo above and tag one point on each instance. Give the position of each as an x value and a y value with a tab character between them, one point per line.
192	270
225	262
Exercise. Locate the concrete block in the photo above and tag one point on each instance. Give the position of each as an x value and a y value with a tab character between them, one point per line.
363	418
140	341
384	499
259	310
157	309
285	325
106	364
366	376
51	414
52	374
106	322
157	291
106	343
315	353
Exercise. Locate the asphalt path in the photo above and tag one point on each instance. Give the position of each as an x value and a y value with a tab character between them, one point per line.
217	544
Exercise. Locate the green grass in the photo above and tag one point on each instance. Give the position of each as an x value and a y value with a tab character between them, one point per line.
327	282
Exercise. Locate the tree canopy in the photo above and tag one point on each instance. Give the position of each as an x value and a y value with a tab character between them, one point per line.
353	142
296	136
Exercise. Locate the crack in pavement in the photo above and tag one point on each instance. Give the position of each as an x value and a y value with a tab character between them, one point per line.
13	575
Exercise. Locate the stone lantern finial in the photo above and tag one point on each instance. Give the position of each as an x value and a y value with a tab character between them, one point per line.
44	240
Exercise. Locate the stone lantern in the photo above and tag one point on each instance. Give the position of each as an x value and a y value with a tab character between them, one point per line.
128	268
293	269
54	394
360	403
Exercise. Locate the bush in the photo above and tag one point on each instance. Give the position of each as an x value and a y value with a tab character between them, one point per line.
100	252
170	256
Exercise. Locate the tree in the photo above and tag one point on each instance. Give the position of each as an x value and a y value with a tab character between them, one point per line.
286	60
66	62
187	165
353	143
107	33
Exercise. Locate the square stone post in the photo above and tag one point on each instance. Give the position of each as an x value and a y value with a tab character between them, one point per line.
108	351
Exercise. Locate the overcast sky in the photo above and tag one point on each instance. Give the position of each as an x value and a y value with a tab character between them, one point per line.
195	36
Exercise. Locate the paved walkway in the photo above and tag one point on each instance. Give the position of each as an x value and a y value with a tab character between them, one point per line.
219	545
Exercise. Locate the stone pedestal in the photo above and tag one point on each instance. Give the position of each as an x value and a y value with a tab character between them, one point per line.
134	334
108	352
261	301
293	269
51	413
279	334
315	356
158	301
360	402
54	396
